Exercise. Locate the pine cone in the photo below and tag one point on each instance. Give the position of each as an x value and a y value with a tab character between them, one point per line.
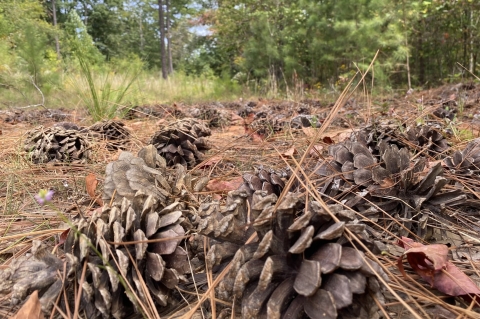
149	174
299	267
56	144
264	179
445	112
114	132
466	162
213	116
161	214
304	120
418	137
182	142
393	184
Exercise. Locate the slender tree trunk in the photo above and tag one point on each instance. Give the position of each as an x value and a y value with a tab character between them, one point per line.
140	25
470	35
161	23
407	46
169	39
57	43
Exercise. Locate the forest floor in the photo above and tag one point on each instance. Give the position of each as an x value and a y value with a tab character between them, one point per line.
245	135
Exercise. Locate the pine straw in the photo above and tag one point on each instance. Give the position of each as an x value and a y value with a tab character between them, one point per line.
233	153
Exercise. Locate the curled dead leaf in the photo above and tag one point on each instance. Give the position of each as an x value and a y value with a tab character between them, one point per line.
91	185
431	263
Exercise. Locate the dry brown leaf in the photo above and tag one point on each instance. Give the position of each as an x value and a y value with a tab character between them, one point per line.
220	185
431	263
327	140
290	152
91	184
31	309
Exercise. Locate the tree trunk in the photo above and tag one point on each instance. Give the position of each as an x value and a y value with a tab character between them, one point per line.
169	46
161	23
140	25
57	43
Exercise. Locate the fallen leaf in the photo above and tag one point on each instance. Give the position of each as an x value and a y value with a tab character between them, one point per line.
220	185
327	140
31	309
91	185
63	236
290	152
431	263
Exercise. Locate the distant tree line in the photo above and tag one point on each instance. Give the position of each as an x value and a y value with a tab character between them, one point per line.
318	43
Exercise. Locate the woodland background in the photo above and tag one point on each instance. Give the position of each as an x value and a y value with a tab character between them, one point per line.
60	52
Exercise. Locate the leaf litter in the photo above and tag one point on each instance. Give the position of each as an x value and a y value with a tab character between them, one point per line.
448	270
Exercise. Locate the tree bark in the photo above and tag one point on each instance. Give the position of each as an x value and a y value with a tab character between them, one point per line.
54	15
169	39
161	23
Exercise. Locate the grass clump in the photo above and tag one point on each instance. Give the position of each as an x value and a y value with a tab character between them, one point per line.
103	93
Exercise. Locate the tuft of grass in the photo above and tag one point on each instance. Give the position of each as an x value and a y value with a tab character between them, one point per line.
101	95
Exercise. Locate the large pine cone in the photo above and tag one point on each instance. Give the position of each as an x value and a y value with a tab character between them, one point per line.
390	182
55	144
182	142
149	174
300	267
114	267
416	137
114	132
466	162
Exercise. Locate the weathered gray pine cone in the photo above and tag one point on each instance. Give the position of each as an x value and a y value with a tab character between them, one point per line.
182	142
214	116
149	174
467	161
393	183
301	266
267	126
445	112
415	137
161	213
305	120
114	132
55	144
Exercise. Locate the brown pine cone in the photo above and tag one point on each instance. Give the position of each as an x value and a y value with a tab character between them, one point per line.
467	161
114	132
159	210
55	144
182	142
391	182
300	267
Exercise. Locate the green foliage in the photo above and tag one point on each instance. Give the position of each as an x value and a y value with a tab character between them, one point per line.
78	41
102	96
31	47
